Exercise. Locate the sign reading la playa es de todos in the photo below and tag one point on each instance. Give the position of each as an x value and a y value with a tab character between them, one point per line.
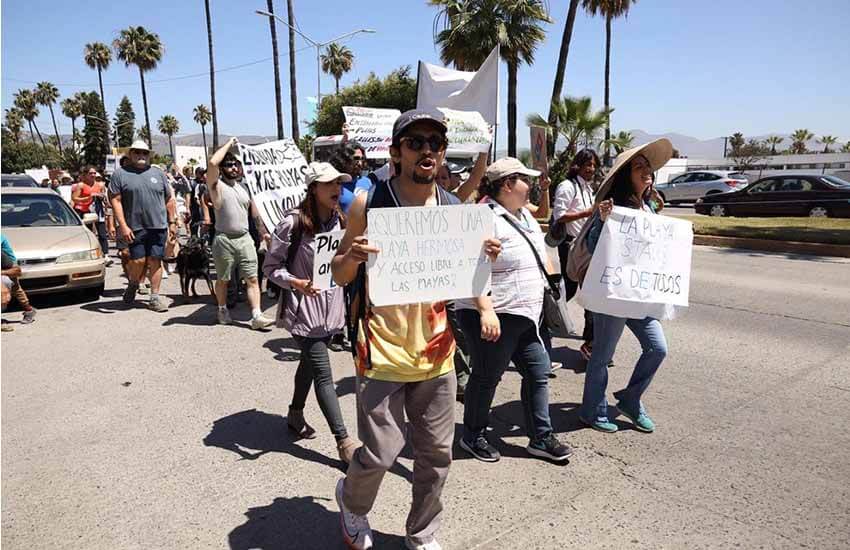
371	128
274	176
428	253
324	250
641	260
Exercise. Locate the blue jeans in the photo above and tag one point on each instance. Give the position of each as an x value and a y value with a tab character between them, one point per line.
607	331
519	341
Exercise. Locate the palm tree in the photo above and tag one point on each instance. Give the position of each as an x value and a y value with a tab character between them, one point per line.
203	116
472	28
212	76
799	139
276	63
73	109
736	141
47	94
826	141
773	141
560	70
28	107
14	123
142	48
846	147
574	120
620	142
169	126
337	61
610	10
98	56
293	92
144	134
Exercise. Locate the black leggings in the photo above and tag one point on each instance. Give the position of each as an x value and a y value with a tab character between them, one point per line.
315	369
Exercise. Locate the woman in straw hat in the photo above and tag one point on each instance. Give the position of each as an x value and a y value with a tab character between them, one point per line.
629	184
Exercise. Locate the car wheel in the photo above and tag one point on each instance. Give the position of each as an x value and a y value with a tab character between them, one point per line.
818	212
718	211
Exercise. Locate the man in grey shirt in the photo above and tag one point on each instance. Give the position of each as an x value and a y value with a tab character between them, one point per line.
233	245
144	210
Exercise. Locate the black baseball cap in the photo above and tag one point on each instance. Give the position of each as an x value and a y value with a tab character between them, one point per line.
407	118
455	168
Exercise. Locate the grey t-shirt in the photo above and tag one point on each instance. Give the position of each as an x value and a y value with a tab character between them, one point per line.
231	215
143	197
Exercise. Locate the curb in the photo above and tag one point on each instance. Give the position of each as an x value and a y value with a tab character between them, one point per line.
789	247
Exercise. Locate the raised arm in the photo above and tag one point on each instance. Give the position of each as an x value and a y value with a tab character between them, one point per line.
354	249
212	168
471	184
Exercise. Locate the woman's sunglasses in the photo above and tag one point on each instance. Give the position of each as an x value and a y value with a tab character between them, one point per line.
416	143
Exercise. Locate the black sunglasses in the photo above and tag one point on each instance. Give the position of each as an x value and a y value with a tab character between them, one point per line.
229	164
416	143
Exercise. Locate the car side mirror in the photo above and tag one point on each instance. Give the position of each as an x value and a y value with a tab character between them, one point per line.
89	218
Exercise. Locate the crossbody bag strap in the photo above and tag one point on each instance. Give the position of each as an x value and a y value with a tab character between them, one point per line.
555	291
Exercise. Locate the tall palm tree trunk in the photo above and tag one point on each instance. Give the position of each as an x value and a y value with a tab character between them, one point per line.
607	155
277	91
170	148
41	139
55	129
32	135
204	137
73	134
337	86
103	102
558	86
512	84
293	91
212	77
145	103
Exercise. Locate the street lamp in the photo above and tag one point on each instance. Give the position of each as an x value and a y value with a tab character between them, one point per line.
317	45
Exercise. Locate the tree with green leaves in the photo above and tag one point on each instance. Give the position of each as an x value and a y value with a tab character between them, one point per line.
395	91
202	115
169	126
125	123
619	142
95	130
17	157
212	76
846	147
750	154
47	94
13	124
337	60
144	135
575	121
25	103
72	109
472	28
139	47
773	141
98	56
826	141
798	141
561	68
736	141
610	10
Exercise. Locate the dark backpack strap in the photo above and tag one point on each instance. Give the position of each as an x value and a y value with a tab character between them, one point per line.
296	233
556	292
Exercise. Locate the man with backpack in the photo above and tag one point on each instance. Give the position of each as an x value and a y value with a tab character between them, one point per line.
403	353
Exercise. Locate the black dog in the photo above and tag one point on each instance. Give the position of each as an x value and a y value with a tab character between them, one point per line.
193	263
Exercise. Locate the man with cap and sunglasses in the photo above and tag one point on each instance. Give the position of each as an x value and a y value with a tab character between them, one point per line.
145	211
404	353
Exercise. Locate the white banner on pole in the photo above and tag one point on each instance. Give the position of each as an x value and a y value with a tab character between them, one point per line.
274	176
428	253
371	128
642	263
461	90
468	132
324	250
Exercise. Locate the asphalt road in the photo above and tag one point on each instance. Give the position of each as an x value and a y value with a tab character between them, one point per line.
123	428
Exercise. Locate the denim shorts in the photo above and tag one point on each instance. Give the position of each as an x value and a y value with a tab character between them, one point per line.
149	243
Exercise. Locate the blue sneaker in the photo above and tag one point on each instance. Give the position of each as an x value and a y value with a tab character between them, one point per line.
600	425
642	421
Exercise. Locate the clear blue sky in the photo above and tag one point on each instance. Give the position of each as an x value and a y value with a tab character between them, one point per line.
704	69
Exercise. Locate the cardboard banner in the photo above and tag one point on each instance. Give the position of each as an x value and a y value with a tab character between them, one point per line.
428	253
324	250
641	261
468	131
371	128
461	90
539	158
274	176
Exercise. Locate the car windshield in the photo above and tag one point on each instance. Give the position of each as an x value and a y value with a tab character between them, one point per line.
835	181
41	210
17	181
737	176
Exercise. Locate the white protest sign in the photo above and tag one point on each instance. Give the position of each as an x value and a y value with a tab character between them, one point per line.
642	262
468	132
428	254
371	128
274	176
324	250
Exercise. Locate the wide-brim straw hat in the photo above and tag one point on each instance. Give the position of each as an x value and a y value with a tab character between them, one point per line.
657	153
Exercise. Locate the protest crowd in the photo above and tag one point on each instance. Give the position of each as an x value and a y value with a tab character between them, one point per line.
413	358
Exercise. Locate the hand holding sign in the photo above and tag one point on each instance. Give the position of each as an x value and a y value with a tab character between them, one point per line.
304	286
360	250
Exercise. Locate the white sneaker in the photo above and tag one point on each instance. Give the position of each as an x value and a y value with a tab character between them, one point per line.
224	317
433	545
164	274
261	322
355	529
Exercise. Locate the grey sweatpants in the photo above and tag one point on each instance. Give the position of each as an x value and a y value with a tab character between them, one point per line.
381	428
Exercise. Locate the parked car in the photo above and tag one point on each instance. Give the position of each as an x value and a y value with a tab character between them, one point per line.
17	180
693	185
56	252
787	195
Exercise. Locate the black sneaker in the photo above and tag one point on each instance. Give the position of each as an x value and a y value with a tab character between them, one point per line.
549	447
481	449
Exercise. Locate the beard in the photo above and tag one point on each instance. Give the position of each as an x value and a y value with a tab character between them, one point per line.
423	180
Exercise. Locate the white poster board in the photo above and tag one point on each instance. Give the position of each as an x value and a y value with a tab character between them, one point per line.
468	132
462	90
371	128
324	250
642	262
428	253
274	176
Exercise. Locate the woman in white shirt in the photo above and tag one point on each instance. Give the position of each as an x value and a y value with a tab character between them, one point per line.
505	325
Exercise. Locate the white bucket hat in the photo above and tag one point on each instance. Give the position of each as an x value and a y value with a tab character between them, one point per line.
324	172
140	145
505	167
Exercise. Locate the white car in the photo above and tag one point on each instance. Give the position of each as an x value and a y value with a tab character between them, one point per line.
691	186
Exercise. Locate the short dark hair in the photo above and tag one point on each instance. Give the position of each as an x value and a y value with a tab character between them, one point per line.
345	154
230	157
